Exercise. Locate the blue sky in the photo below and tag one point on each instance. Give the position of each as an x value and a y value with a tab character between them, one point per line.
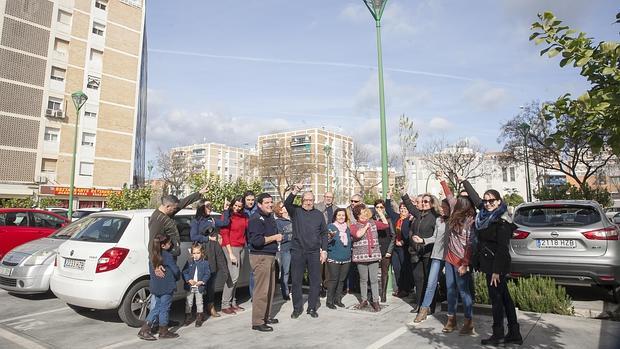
228	71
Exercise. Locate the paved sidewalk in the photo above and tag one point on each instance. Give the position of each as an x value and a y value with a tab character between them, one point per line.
347	328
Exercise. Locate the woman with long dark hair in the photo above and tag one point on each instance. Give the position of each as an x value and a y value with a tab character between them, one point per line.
233	243
494	229
285	227
459	234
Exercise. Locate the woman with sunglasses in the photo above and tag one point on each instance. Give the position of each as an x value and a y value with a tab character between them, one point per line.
397	249
421	241
494	229
233	243
385	237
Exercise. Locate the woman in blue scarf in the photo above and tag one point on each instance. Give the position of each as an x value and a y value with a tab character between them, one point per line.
494	229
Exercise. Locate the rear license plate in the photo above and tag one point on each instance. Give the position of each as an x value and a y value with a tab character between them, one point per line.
74	263
556	243
6	271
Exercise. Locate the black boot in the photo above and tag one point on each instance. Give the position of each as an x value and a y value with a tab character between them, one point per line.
496	338
514	335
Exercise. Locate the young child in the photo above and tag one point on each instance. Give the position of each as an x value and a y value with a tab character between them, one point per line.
161	288
196	274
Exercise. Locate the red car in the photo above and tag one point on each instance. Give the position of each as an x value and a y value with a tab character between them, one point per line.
20	225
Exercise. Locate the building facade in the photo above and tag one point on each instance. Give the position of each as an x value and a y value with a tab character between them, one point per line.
369	181
48	50
321	159
229	163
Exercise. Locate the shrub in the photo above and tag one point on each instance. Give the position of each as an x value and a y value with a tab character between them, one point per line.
482	292
540	295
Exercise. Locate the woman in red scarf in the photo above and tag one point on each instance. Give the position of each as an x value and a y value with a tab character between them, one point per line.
367	254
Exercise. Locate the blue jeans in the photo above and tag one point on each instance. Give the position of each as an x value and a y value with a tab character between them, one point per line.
285	267
462	284
431	283
160	310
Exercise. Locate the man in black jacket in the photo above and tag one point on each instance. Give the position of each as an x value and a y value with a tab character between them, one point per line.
309	249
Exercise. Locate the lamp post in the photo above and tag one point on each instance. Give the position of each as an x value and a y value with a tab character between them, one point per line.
327	149
525	128
79	98
376	8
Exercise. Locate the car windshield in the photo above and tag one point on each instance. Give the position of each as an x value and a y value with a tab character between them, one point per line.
100	229
68	231
80	214
557	215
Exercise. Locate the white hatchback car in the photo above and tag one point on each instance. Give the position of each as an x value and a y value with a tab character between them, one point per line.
105	265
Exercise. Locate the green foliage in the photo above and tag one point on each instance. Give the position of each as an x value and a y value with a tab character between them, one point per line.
219	190
540	295
595	115
370	197
45	202
130	199
27	202
513	199
571	192
482	291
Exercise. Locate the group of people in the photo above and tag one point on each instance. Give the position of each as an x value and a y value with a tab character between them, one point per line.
339	248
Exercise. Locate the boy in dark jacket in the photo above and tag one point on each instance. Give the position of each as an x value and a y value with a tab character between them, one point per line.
196	274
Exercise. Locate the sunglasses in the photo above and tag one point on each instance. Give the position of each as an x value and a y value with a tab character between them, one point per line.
490	201
426	201
379	207
355	201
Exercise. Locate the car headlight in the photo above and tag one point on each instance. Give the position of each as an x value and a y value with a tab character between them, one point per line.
39	257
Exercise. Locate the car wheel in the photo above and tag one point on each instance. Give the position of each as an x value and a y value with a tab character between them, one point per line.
135	304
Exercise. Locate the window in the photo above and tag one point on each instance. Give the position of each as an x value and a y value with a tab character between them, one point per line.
51	134
101	4
48	165
504	174
11	219
90	114
93	82
43	220
58	74
100	229
96	56
54	103
98	28
88	139
64	17
512	174
61	46
86	168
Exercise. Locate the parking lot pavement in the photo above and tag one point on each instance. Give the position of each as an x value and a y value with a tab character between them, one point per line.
44	322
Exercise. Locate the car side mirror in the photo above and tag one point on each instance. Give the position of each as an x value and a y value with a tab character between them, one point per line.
617	220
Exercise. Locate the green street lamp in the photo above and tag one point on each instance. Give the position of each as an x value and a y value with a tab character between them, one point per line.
525	128
376	8
327	149
79	98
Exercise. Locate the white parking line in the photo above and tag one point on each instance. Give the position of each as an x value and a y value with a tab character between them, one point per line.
33	314
19	340
387	339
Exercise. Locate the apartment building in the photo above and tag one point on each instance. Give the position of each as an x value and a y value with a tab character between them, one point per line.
368	180
320	158
229	163
48	50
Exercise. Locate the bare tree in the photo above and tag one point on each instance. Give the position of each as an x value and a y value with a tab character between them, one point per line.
283	166
462	159
174	169
361	172
572	156
407	137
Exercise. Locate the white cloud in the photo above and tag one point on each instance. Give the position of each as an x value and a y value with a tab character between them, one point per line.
439	124
355	12
485	97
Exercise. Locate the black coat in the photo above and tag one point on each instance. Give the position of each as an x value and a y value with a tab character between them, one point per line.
216	258
491	254
423	224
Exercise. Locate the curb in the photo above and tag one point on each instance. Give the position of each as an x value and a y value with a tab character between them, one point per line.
481	309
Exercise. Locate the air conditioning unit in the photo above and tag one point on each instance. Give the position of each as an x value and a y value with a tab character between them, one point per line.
59	114
49	112
42	179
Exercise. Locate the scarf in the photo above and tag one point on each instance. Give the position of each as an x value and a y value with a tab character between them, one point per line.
342	229
485	217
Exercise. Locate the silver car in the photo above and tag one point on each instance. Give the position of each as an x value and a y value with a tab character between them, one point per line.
27	268
571	241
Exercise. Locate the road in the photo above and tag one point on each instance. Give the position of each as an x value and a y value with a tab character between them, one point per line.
45	322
